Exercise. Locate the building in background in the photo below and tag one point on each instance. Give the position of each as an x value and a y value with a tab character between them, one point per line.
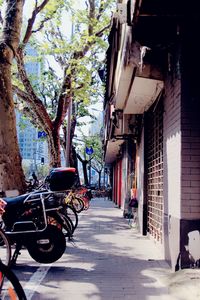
95	129
33	147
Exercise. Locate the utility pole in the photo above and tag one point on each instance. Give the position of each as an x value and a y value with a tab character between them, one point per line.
90	172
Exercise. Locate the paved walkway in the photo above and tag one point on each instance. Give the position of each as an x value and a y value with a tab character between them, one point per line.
111	261
108	260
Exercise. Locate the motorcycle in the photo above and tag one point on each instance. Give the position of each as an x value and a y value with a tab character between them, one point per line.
35	220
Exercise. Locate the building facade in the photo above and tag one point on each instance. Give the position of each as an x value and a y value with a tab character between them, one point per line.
33	148
152	132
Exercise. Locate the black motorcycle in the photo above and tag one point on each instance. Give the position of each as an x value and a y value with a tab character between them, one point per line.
35	220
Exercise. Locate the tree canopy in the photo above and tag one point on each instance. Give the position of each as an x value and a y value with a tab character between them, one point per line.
69	56
75	56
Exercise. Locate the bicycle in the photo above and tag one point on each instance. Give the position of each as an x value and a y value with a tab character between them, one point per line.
10	287
5	246
71	213
85	195
72	200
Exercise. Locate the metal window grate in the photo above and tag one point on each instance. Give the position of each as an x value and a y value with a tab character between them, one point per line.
155	172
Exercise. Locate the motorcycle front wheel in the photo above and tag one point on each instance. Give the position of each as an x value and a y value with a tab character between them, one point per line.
47	246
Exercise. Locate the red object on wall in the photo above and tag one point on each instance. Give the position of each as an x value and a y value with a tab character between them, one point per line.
117	183
119	202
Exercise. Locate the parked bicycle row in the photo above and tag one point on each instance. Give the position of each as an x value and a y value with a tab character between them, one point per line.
42	219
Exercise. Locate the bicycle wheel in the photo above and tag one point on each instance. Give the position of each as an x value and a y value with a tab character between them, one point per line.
69	224
86	203
5	248
65	222
71	213
78	204
10	287
85	199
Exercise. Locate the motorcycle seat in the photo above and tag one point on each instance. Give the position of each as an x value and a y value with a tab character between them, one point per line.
15	200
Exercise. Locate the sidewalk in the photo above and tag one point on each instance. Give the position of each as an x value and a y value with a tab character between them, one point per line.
108	260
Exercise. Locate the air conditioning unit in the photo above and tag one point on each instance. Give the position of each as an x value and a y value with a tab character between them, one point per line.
119	128
122	12
125	125
118	122
128	123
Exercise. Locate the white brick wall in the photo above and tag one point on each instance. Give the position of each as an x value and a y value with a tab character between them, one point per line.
172	170
140	181
172	149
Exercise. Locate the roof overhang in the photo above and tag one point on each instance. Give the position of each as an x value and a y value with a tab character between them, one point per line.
112	150
143	93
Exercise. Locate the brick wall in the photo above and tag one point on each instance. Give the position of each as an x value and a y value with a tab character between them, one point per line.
190	208
190	127
172	147
172	168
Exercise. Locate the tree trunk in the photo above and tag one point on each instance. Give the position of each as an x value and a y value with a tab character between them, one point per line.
72	156
99	173
11	173
75	163
84	163
53	140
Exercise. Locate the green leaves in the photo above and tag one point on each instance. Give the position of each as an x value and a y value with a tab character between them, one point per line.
70	39
97	156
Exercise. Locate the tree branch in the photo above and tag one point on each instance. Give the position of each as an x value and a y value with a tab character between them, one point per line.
102	7
12	24
42	24
82	53
80	158
31	21
63	101
24	97
34	101
1	19
91	16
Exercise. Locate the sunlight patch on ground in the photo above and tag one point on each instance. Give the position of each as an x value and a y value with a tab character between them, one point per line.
102	219
161	297
83	265
159	276
87	290
185	284
182	285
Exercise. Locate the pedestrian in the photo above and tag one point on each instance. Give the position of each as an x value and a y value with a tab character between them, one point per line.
35	180
109	192
133	208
